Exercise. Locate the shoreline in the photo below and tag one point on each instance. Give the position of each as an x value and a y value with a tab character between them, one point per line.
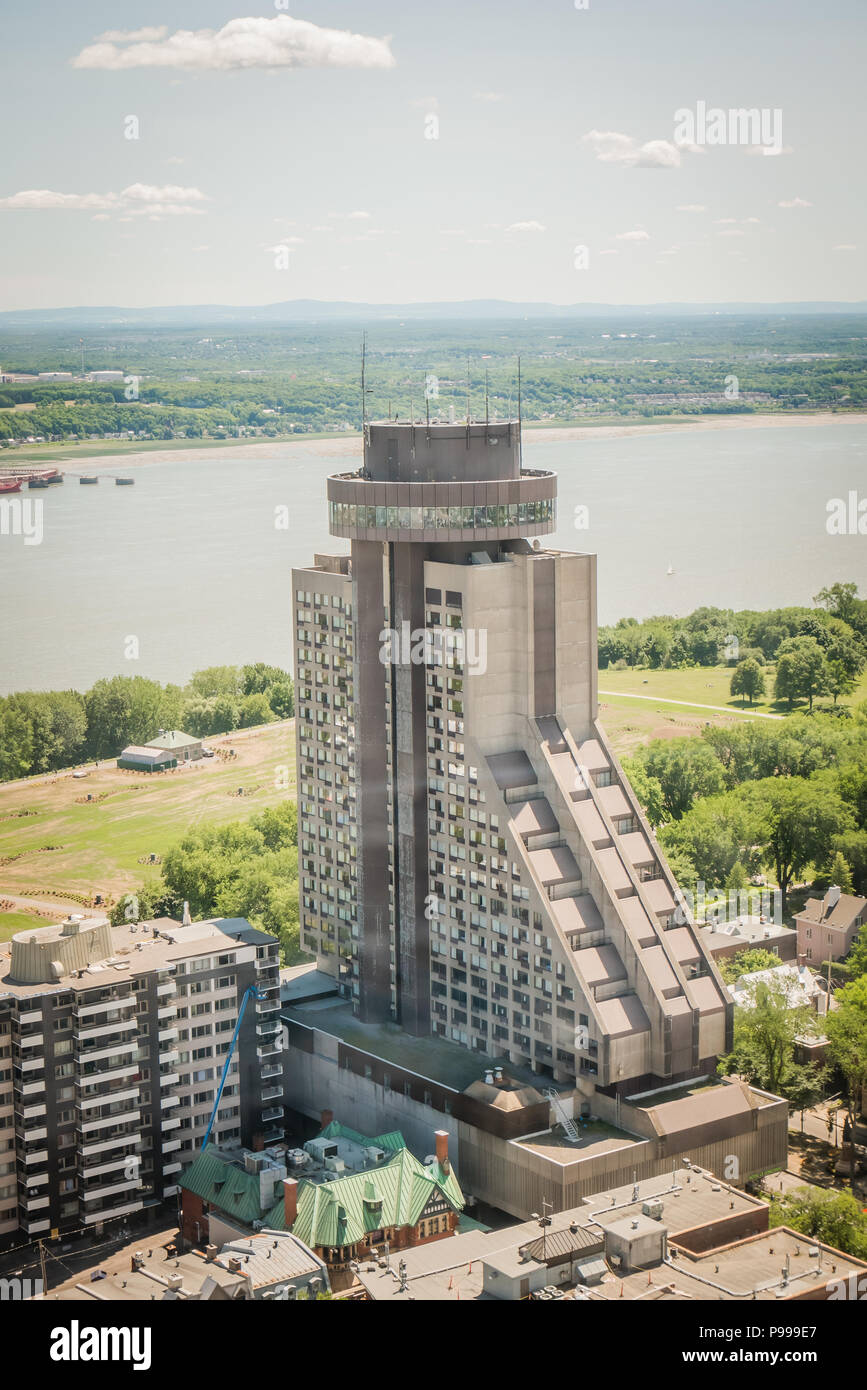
349	445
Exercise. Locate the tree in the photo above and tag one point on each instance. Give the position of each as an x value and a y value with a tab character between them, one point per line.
839	599
685	769
834	1218
839	679
840	873
766	1030
257	679
846	1027
805	1086
801	670
254	709
747	679
16	743
795	819
715	835
216	680
646	788
746	963
122	710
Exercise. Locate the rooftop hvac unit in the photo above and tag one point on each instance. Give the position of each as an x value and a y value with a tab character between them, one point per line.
335	1165
320	1149
254	1163
653	1206
375	1155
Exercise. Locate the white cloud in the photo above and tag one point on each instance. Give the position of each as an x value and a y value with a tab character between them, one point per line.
638	235
690	207
526	227
794	203
250	42
612	147
138	200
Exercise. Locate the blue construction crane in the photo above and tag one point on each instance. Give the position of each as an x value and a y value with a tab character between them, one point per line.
251	989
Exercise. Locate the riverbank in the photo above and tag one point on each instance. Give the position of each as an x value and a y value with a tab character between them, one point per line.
346	445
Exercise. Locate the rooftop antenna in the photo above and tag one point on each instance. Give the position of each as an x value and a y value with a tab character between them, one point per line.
486	398
468	400
363	388
427	417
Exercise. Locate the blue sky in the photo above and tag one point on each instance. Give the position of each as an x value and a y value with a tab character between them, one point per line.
555	131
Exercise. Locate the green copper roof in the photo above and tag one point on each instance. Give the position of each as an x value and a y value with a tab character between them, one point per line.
222	1185
396	1193
392	1141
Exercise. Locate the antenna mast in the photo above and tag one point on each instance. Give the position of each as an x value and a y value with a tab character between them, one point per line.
520	447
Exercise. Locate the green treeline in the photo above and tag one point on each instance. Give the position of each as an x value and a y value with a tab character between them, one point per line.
41	731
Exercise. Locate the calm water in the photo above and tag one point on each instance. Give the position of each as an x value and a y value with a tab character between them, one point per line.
189	562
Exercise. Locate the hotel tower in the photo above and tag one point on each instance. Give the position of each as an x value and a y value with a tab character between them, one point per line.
473	861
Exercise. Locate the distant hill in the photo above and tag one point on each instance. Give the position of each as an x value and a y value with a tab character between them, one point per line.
319	310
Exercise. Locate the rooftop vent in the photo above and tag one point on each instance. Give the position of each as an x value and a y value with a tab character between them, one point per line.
832	897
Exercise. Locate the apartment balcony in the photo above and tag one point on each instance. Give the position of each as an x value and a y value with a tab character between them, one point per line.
129	1115
101	1143
35	1228
272	1092
115	1097
171	1146
171	1190
33	1088
31	1040
171	1123
82	1012
117	1027
106	1213
32	1204
94	1170
166	989
29	1016
36	1156
31	1064
114	1073
265	1050
98	1054
268	1030
272	1069
174	1167
167	1011
275	1113
167	1102
166	1060
24	1114
168	1034
92	1193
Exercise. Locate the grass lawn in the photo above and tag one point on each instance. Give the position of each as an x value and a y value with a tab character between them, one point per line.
706	685
74	846
12	922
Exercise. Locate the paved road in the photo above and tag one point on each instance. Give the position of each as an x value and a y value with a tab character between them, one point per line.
692	704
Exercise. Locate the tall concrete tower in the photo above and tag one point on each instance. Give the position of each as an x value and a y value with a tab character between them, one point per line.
473	861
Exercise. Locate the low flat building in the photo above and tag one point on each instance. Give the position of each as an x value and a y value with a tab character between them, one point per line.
185	747
748	932
506	1126
828	926
138	758
688	1236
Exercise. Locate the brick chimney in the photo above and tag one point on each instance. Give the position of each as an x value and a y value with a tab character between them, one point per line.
258	1143
290	1202
442	1141
326	1118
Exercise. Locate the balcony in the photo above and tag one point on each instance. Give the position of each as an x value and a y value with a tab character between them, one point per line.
171	1145
167	1102
29	1016
168	1034
105	1030
166	989
102	1143
166	1060
173	1123
98	1054
116	1097
272	1093
275	1113
132	1115
106	1213
168	1011
171	1168
267	1030
36	1156
92	1193
272	1069
268	1050
81	1012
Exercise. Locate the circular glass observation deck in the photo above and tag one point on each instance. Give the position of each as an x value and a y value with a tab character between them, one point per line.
364	509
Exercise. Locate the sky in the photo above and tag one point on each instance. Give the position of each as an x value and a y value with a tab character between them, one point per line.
406	150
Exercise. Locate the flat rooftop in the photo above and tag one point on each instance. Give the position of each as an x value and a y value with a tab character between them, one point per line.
597	1137
430	1057
136	950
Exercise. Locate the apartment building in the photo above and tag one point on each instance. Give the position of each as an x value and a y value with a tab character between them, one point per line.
112	1044
474	863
